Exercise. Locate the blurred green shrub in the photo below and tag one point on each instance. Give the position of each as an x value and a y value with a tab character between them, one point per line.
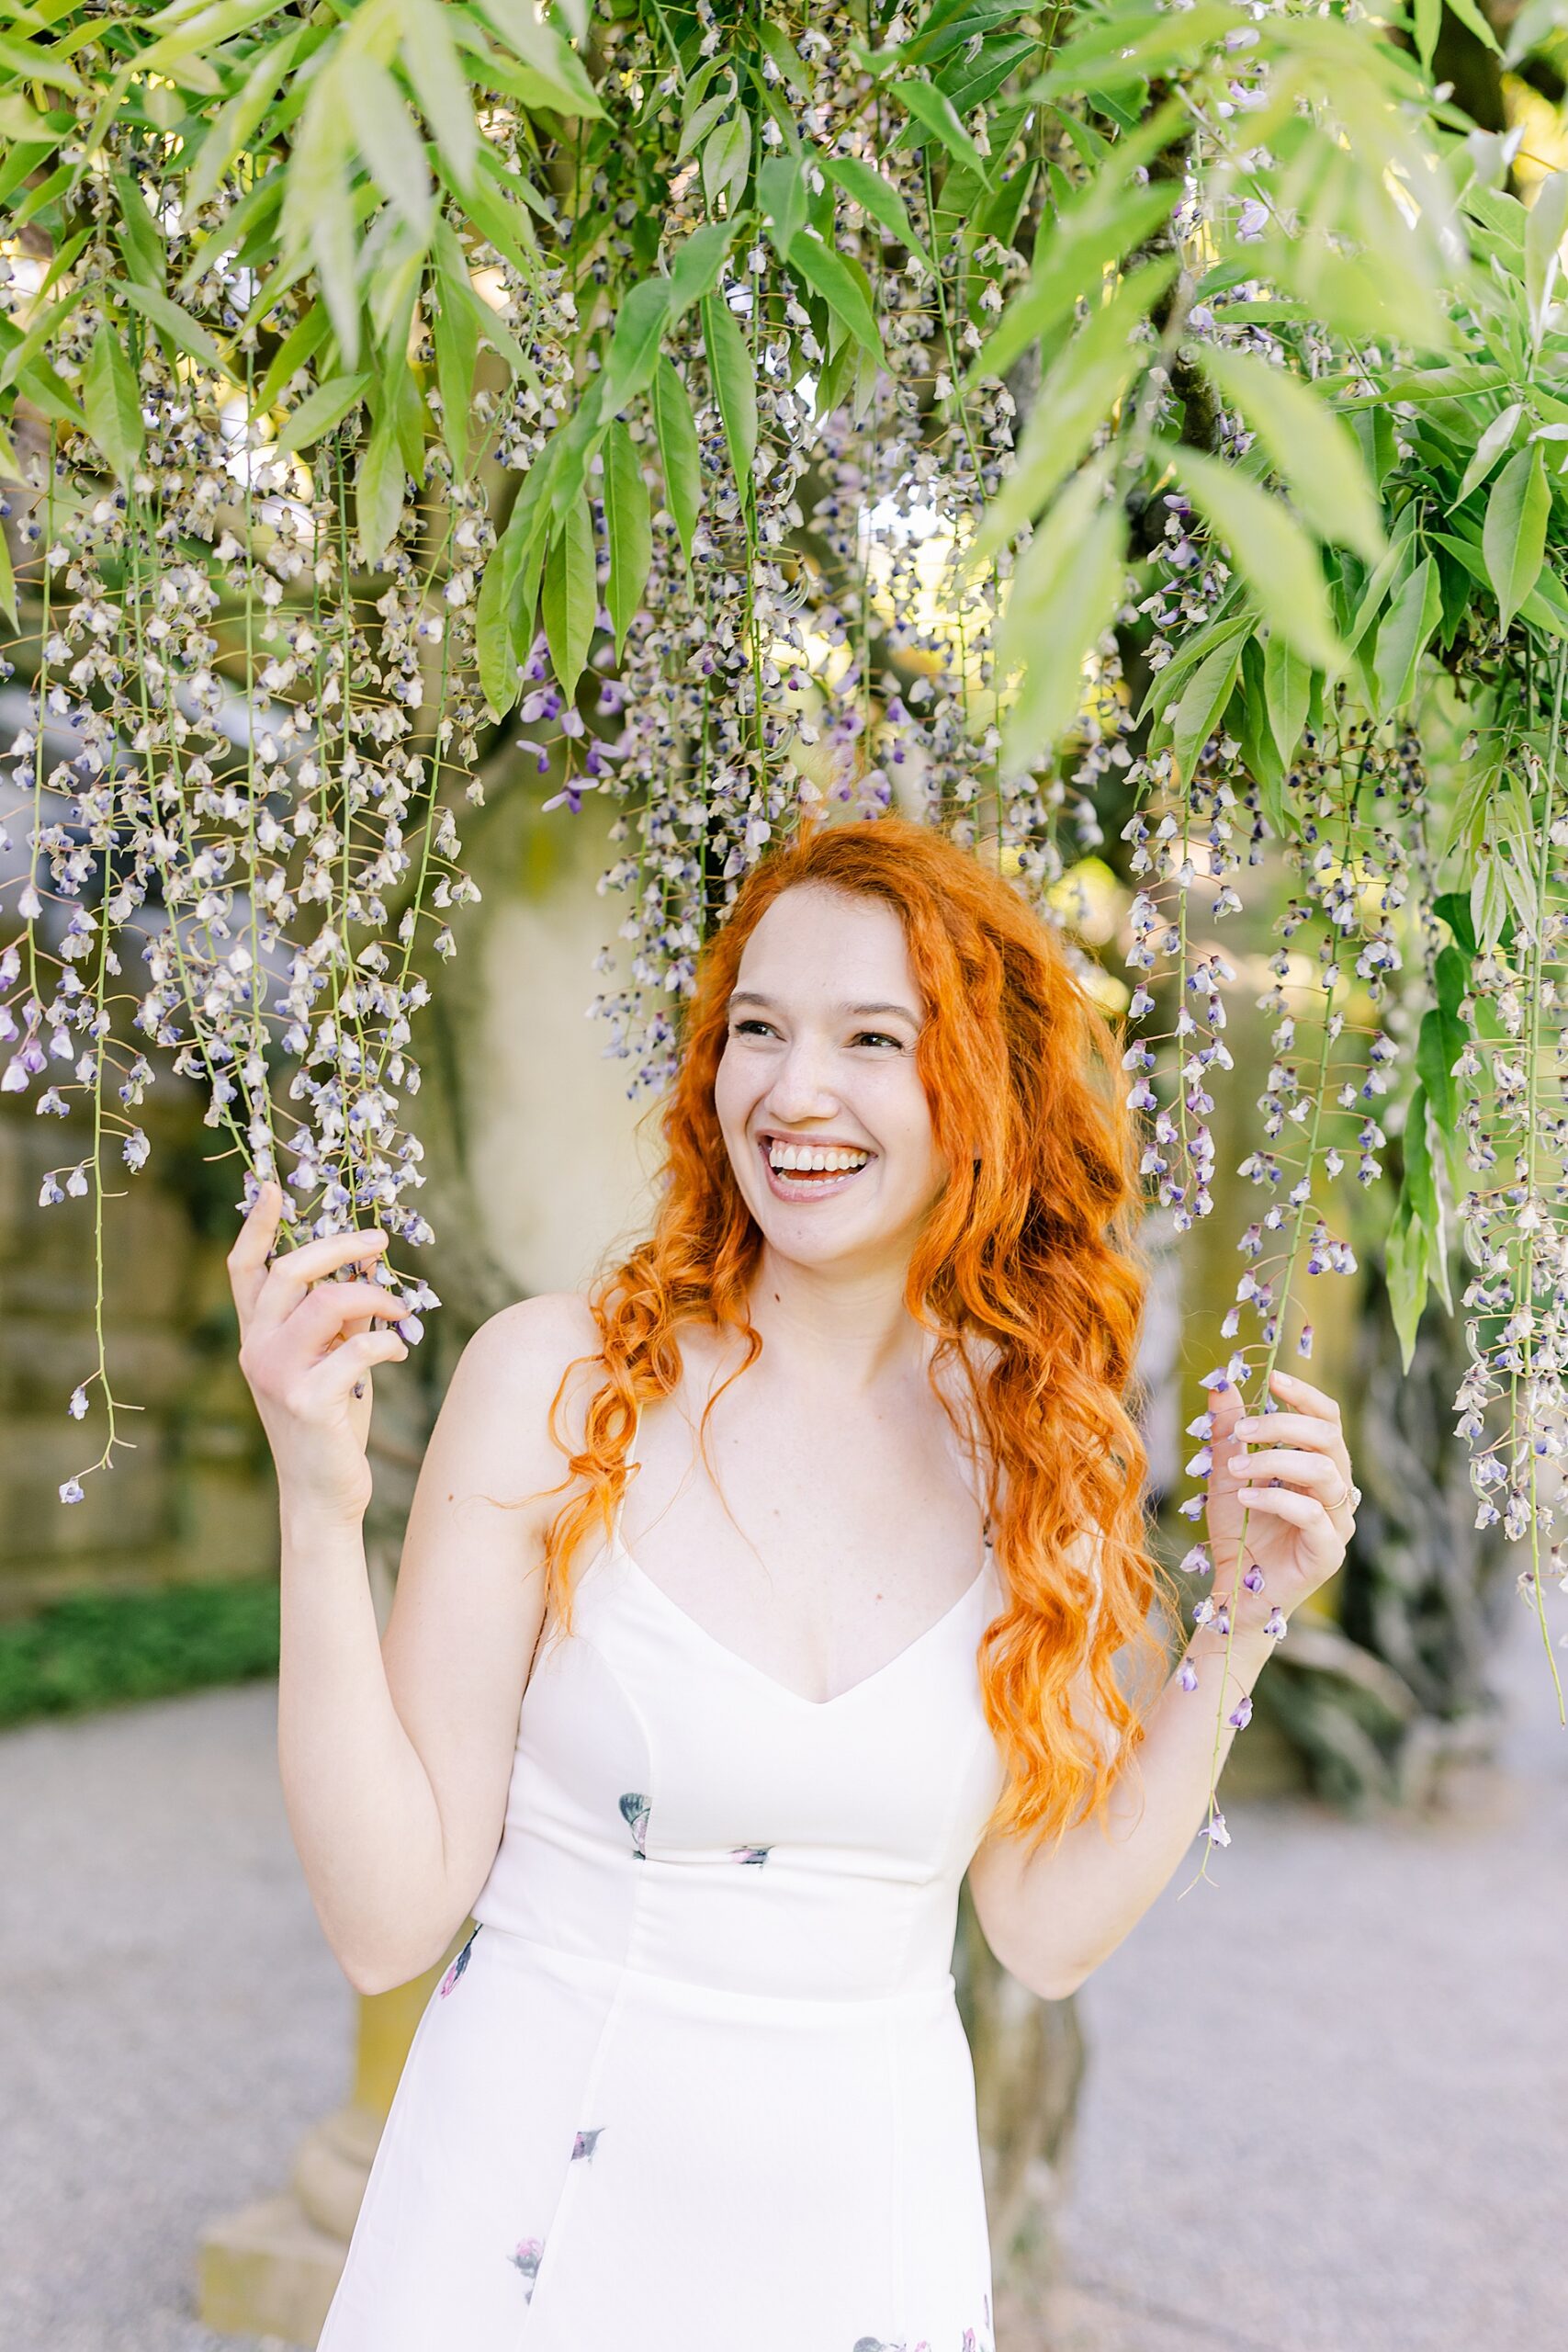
101	1649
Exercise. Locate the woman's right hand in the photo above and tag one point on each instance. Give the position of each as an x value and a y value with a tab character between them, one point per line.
302	1349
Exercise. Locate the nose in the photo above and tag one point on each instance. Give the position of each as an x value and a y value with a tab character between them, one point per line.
801	1088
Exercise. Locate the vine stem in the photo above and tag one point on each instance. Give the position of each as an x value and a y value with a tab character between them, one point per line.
1287	1260
1526	1288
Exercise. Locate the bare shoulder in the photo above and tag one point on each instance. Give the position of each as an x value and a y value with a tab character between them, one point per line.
495	1420
533	1341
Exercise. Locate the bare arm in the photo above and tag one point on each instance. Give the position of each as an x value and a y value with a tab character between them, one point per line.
395	1756
1052	1918
1282	1482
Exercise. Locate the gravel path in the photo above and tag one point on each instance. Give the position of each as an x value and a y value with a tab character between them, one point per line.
1327	2108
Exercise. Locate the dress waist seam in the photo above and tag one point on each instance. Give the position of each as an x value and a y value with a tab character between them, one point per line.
921	1992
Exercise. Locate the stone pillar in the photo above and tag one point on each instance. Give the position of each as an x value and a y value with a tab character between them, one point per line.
271	2268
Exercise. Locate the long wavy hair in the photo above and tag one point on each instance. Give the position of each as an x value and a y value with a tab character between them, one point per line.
1026	1272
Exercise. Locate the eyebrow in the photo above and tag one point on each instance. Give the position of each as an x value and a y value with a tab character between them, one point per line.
854	1011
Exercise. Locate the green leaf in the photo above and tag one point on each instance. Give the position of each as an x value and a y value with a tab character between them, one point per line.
500	222
781	197
1419	1189
694	270
826	272
321	410
1166	686
1453	963
1072	404
1070	259
405	404
1466	826
300	344
112	401
1065	589
1403	634
1440	1042
874	195
182	330
455	329
1129	47
503	616
570	596
1202	700
1246	718
430	54
1488	449
137	235
1514	536
1408	1258
378	488
1429	16
30	64
568	89
679	453
1544	226
7	583
727	162
1474	20
1281	563
699	113
1451	972
1286	686
1310	448
930	111
735	388
1488	899
634	347
317	215
234	127
786	57
390	145
629	528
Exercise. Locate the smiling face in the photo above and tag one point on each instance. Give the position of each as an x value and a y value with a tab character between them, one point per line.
822	1107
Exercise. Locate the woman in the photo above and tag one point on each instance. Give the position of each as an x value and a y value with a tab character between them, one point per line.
806	1545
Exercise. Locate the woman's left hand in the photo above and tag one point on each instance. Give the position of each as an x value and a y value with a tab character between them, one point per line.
1294	1490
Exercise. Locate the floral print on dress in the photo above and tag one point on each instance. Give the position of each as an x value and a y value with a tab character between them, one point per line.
450	1979
635	1810
585	2144
749	1853
971	2340
527	2258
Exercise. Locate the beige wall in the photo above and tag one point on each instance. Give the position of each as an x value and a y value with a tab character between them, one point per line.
556	1168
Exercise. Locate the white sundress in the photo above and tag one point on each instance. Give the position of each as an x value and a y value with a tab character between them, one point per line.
697	2081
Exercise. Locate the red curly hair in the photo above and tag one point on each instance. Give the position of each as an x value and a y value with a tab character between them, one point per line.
1026	1272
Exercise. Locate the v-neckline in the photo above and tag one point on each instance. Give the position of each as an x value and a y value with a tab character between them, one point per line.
761	1674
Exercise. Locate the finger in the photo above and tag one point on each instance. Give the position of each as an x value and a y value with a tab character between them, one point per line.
1303	1511
337	1374
1227	1406
247	1258
1289	1429
290	1277
1319	1471
332	1308
1304	1397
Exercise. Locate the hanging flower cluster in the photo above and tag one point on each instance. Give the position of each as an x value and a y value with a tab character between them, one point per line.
779	413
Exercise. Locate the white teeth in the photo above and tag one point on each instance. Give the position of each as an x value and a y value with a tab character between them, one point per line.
807	1160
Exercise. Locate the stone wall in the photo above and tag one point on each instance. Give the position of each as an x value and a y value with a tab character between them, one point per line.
192	1501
